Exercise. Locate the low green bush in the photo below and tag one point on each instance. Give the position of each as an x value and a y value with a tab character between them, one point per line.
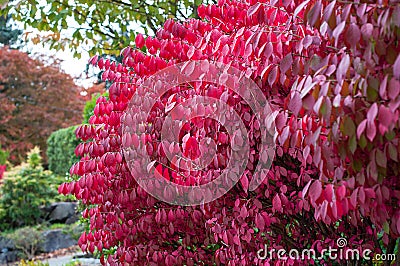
61	150
3	156
27	239
24	189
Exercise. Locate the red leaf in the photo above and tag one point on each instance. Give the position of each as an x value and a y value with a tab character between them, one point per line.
398	225
340	192
259	221
139	41
328	192
245	182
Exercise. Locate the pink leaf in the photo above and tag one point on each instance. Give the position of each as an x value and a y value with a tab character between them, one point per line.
383	87
343	67
324	209
353	198
328	10
286	63
300	8
254	9
295	103
361	195
396	68
272	76
338	30
305	189
314	13
371	131
276	203
353	35
372	112
361	128
366	30
394	89
315	190
385	118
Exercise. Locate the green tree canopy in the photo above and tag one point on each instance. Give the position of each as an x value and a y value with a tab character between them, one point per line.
103	26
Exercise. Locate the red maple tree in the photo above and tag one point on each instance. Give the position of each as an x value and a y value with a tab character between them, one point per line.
35	101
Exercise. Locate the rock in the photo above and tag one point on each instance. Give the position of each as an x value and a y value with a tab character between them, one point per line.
8	257
6	243
62	211
72	219
56	239
8	252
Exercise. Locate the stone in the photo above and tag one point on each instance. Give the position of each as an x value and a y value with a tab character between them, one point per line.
8	252
6	243
62	211
55	239
7	257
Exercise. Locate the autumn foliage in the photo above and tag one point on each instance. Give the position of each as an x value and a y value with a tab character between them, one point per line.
331	72
35	101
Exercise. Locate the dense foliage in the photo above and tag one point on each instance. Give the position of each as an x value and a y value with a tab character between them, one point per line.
61	150
100	25
331	71
35	100
25	188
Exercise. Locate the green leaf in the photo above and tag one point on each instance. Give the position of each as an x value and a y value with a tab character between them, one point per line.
353	144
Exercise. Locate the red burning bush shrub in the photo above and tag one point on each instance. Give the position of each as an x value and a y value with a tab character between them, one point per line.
331	72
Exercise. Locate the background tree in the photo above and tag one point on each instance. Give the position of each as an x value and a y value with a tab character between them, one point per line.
103	26
35	101
8	35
